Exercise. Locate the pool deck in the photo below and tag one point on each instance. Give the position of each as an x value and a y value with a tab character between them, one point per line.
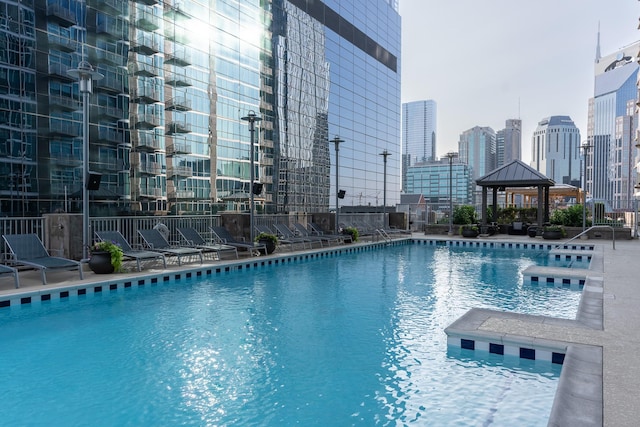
608	338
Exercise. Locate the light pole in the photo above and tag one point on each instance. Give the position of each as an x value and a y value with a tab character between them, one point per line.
384	154
337	142
585	152
252	118
451	155
85	75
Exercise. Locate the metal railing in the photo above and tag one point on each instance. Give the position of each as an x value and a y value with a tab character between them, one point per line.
613	234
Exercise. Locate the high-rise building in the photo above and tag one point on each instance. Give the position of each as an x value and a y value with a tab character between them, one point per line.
509	142
166	130
611	129
555	150
477	148
419	127
431	179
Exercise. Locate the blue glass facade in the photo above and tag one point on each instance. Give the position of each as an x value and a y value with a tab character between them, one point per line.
431	179
166	132
611	130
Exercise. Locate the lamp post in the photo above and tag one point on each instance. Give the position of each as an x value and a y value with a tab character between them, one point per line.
451	155
585	151
85	75
252	118
337	142
384	154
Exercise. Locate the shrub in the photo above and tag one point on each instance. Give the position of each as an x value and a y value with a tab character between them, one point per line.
353	232
464	214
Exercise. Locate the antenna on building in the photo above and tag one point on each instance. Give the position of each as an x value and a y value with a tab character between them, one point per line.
598	55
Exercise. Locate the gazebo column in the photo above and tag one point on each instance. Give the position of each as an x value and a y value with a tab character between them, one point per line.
494	211
546	203
540	215
483	214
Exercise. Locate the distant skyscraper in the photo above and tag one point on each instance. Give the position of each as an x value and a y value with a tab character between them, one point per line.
555	150
418	133
477	148
611	129
509	142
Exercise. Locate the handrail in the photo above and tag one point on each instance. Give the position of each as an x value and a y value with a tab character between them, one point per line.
613	234
384	235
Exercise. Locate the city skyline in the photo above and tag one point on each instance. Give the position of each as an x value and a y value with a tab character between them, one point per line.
538	80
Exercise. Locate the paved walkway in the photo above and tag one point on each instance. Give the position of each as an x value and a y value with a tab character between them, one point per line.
619	338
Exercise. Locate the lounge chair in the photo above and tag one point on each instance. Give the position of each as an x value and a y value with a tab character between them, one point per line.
27	249
303	232
223	235
155	241
317	230
5	269
194	239
285	236
128	252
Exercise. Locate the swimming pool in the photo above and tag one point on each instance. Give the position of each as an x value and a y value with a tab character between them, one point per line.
350	340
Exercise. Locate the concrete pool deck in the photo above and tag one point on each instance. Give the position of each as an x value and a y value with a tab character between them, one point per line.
618	340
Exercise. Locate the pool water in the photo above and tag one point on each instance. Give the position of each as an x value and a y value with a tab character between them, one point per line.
349	340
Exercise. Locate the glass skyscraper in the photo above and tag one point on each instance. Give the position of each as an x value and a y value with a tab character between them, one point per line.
611	129
419	128
165	130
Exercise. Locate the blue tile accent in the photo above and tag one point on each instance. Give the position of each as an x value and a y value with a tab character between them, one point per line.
5	303
534	279
45	297
527	353
82	291
97	289
557	358
468	344
113	287
25	300
566	281
141	282
496	348
127	285
551	280
64	294
154	280
166	278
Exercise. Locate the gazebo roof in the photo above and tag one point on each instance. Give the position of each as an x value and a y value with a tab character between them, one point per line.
514	174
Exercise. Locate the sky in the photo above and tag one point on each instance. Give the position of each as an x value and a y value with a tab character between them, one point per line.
485	61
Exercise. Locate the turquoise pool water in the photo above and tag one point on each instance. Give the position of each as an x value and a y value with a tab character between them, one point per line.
349	340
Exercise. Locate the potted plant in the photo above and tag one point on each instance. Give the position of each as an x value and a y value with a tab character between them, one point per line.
469	230
553	232
351	231
106	257
270	241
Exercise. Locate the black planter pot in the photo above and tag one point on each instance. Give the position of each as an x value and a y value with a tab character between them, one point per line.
100	262
552	235
269	244
532	231
469	233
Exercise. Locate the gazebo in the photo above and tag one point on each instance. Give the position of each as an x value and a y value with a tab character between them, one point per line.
515	174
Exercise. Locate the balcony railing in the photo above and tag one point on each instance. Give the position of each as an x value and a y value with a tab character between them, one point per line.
180	57
146	140
66	128
110	135
60	70
178	80
178	127
62	15
145	121
149	168
146	44
183	171
64	102
145	19
180	103
143	70
183	194
146	95
178	148
63	43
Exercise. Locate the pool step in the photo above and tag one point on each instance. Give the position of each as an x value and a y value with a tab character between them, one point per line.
560	254
559	277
